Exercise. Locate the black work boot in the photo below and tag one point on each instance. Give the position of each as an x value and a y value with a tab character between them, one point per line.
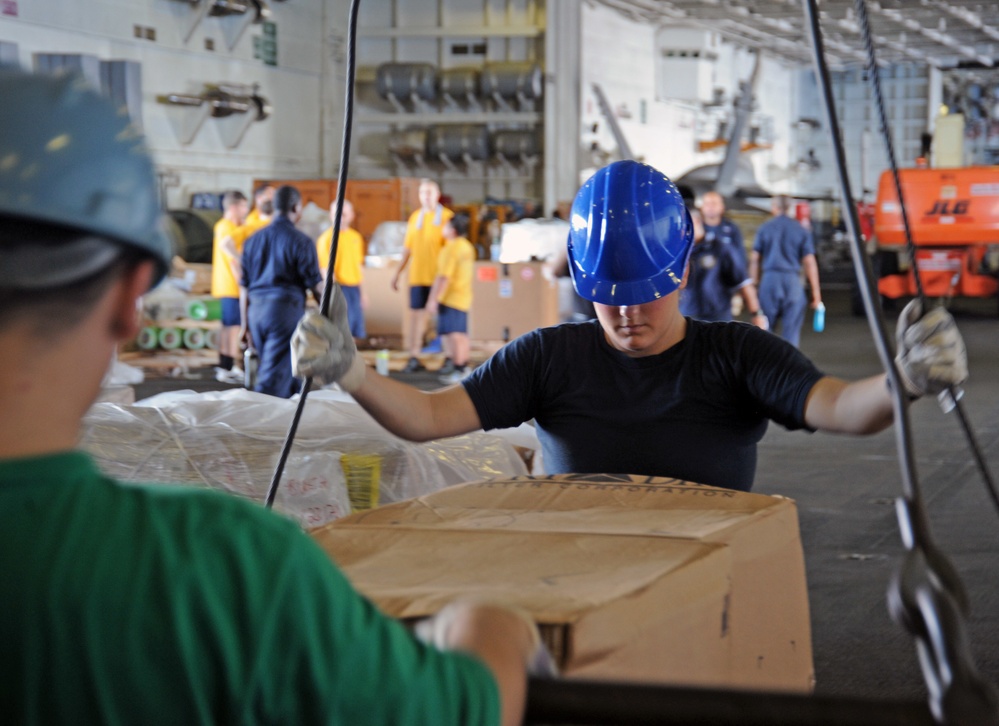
413	365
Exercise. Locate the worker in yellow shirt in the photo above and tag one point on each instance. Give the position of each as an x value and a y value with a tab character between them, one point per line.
451	297
347	267
226	271
263	209
423	242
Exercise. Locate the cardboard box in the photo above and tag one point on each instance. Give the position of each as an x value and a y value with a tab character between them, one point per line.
386	307
630	578
509	300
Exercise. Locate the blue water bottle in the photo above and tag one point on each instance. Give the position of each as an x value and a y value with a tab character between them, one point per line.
819	319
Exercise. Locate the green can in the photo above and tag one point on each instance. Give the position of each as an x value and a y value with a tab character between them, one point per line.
194	338
148	338
208	308
171	338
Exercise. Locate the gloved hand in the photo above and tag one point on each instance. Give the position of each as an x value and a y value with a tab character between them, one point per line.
434	631
931	356
323	348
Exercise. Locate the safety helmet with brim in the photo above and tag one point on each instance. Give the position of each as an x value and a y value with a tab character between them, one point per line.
71	161
630	235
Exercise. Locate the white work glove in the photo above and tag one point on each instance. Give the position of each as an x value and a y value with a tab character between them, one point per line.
434	631
931	356
323	348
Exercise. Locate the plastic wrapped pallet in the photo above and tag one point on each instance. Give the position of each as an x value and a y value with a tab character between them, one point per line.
231	441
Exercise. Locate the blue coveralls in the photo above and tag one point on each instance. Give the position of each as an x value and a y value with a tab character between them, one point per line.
729	234
279	265
716	272
782	243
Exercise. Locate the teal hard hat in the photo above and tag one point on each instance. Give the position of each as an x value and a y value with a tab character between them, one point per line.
630	235
70	160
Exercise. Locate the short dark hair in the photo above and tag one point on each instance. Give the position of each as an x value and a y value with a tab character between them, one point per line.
286	198
783	202
232	197
260	189
52	310
459	223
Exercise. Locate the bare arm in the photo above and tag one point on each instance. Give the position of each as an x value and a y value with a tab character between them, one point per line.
414	414
752	300
861	407
244	306
232	257
436	290
812	275
406	254
754	267
504	643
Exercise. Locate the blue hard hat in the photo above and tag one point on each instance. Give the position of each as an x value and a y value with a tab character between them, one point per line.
630	235
70	159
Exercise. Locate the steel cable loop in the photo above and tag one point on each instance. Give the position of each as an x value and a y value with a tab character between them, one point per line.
324	304
926	595
950	399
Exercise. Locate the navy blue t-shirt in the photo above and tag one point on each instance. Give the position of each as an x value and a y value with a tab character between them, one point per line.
694	412
279	260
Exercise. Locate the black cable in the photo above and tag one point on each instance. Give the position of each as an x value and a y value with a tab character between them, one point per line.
872	74
324	304
910	245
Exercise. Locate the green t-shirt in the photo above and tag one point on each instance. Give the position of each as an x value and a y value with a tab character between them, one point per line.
128	604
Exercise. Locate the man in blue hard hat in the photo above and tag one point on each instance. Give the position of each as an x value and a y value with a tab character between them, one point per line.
129	604
642	389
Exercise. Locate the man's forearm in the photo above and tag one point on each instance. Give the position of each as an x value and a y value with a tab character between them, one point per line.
438	288
504	643
406	254
812	275
244	306
860	407
750	297
416	415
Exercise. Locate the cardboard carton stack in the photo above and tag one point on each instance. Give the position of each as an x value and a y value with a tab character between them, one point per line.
630	578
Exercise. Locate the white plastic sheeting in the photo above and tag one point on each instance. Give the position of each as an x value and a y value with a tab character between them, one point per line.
231	441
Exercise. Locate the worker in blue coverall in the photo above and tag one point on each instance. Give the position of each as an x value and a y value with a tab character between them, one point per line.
720	227
641	389
716	272
279	267
781	250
